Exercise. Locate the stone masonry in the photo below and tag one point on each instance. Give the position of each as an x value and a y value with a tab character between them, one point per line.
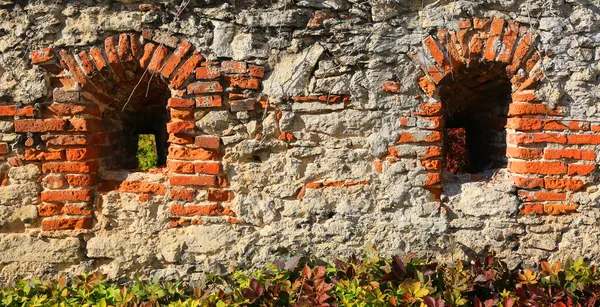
444	128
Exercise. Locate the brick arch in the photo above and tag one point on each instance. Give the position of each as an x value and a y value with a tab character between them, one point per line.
547	156
67	135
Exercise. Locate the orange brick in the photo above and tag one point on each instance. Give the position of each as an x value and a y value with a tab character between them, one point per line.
536	138
66	195
542	168
160	54
516	109
66	109
70	167
432	164
206	141
524	153
180	167
83	153
198	180
209	72
182	194
175	58
584	139
81	180
581	169
524	123
208	101
39	125
85	124
98	58
149	49
184	72
219	195
429	109
192	210
185	153
563	183
491	47
579	154
432	179
43	155
86	63
41	55
4	149
114	62
528	183
204	87
69	60
66	223
211	168
142	187
233	67
180	126
180	103
256	71
542	196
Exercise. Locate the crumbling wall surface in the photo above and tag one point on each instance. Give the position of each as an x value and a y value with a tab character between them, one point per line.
295	126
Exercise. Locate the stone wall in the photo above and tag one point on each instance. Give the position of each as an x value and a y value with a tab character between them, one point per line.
443	128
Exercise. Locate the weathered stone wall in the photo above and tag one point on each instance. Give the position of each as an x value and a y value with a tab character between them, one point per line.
295	126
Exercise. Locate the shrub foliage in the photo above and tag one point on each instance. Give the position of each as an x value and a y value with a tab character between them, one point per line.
146	155
368	281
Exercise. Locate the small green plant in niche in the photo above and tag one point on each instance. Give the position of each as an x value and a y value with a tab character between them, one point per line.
146	154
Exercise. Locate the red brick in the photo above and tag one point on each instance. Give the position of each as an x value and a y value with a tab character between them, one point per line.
50	209
256	71
175	58
142	187
182	114
429	109
204	87
43	155
563	183
219	195
491	47
180	167
67	140
208	101
508	42
136	45
180	126
391	86
73	66
86	124
39	125
430	136
182	195
197	180
209	72
523	48
6	111
286	136
83	153
185	153
76	209
210	168
86	63
437	54
584	139
41	55
524	153
180	139
525	97
81	180
192	210
464	23
515	109
527	183
70	167
114	62
64	109
67	195
542	168
542	196
566	125
185	71
53	181
242	105
98	58
579	154
550	209
432	152
207	141
3	148
432	165
158	59
124	50
244	83
66	223
149	49
536	138
180	103
524	124
433	179
233	67
581	169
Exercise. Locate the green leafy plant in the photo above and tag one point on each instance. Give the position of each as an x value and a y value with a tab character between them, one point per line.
147	155
367	281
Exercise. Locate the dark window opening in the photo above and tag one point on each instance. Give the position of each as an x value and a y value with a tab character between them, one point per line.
140	133
475	115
